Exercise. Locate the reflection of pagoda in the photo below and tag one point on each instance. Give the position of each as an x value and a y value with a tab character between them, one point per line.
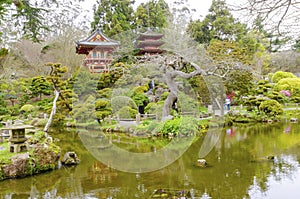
98	50
149	43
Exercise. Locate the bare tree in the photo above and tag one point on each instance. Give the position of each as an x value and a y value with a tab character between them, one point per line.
61	48
171	71
28	63
286	61
185	58
173	66
279	15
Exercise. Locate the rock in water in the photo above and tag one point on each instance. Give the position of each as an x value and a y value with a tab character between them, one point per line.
201	163
18	167
295	120
70	158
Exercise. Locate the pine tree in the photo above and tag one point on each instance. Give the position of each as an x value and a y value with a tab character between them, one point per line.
218	24
113	16
152	14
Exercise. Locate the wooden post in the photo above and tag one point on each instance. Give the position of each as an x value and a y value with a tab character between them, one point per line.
138	118
137	144
209	109
109	119
110	139
8	123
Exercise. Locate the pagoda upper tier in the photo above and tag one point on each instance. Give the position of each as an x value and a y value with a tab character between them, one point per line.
98	49
149	42
96	39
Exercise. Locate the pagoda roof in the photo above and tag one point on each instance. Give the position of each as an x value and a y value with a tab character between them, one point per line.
96	39
150	50
149	43
150	34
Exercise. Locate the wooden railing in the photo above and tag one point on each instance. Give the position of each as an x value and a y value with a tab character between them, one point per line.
97	61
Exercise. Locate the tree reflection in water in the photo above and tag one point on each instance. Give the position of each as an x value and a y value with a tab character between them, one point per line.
238	168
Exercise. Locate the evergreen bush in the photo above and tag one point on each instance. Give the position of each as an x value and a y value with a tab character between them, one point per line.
127	112
27	108
281	75
289	84
271	108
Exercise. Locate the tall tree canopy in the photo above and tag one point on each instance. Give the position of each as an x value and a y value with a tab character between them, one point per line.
218	24
113	16
34	19
152	14
29	17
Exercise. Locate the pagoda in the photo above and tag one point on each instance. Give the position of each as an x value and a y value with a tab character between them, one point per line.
149	43
98	49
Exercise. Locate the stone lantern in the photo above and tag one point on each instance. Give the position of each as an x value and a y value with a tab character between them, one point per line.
17	139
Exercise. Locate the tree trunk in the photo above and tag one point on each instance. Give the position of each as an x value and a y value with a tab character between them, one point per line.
168	105
172	85
170	74
56	92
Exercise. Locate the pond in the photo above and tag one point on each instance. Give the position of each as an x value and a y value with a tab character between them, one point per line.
237	168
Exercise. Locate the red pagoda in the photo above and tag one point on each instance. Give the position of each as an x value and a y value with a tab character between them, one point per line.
98	49
149	43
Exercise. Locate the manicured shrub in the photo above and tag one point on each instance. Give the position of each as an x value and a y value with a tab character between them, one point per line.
100	104
27	108
140	99
295	99
279	97
155	108
127	112
262	82
253	101
271	108
120	101
289	84
102	114
104	93
282	75
102	109
13	111
141	89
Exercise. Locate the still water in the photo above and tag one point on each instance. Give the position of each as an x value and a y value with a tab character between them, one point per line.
238	168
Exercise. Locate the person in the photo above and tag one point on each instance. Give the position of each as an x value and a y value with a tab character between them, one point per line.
227	102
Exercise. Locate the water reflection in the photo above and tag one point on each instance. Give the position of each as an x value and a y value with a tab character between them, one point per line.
238	168
283	181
